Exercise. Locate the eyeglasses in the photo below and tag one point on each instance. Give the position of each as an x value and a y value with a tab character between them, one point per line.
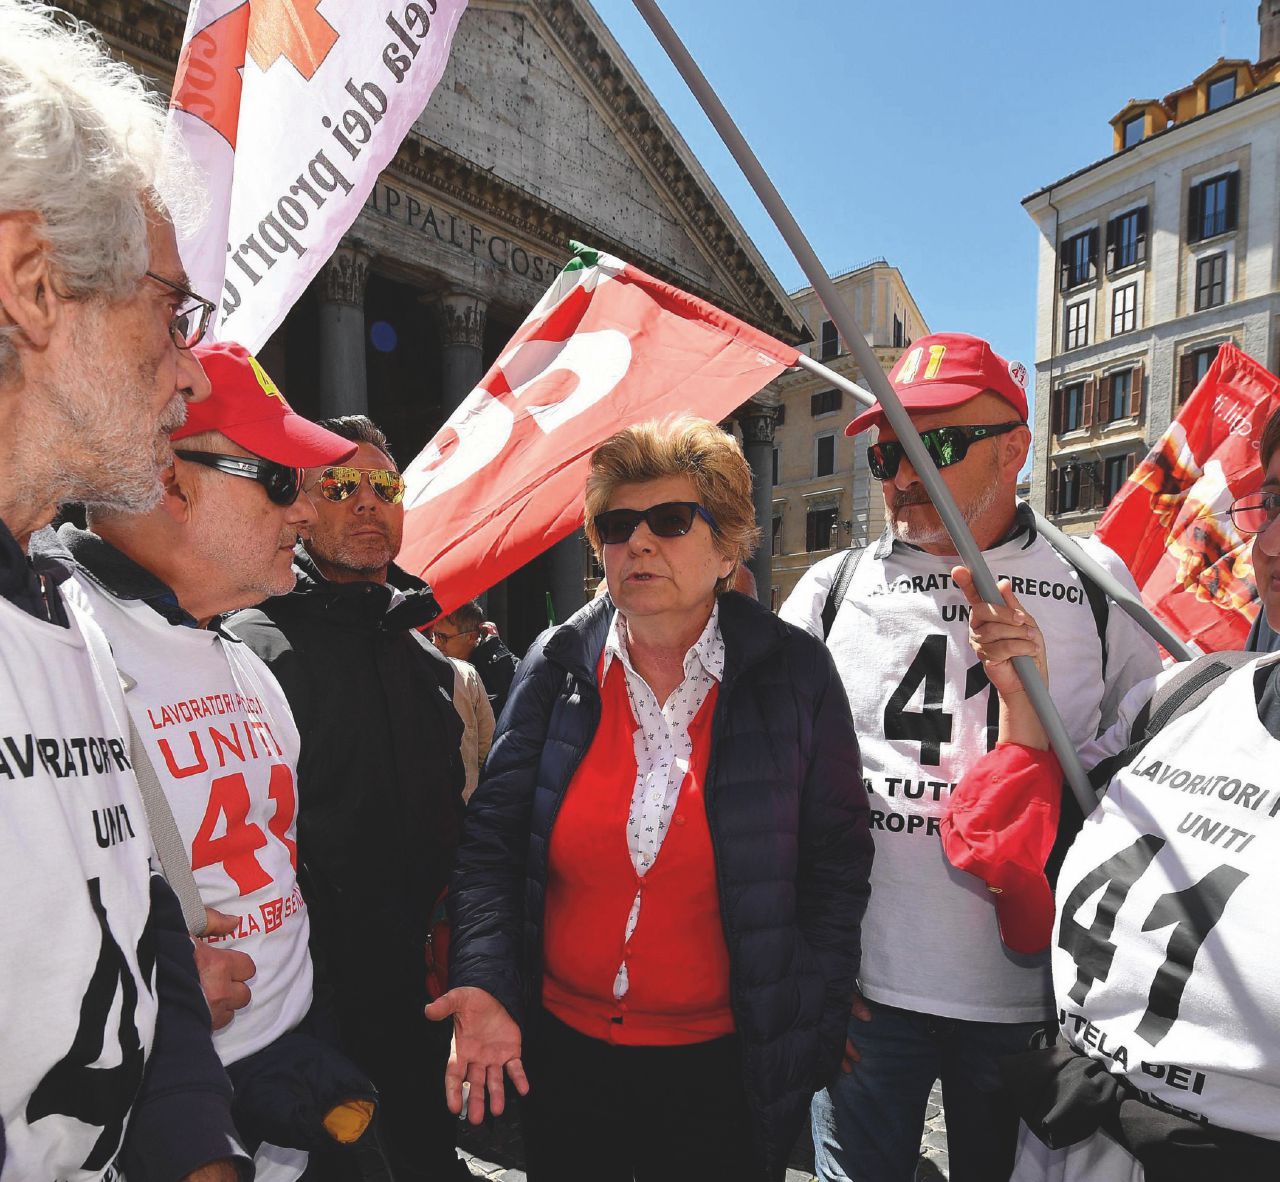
438	635
1256	512
671	519
342	481
283	484
945	445
189	322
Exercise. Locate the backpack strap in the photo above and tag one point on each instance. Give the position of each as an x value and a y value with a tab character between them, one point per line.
1100	605
839	588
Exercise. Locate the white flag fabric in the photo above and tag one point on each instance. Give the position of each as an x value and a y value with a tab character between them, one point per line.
292	108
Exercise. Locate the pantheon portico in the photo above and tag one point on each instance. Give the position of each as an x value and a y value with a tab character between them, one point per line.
540	132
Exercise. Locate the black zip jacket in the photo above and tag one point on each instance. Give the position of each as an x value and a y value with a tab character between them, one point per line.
788	818
380	774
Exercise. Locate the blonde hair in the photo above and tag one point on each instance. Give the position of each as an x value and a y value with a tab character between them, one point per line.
680	446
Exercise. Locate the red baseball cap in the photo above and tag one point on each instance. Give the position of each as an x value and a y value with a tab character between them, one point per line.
248	408
1000	826
946	369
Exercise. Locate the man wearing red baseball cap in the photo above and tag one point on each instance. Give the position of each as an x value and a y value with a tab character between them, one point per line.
941	994
216	724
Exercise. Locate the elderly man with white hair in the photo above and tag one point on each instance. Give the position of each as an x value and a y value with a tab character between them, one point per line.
108	1065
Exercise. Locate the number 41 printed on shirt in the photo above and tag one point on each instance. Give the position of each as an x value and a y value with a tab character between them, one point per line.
236	849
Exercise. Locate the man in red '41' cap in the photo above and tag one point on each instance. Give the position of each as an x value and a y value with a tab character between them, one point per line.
954	975
218	728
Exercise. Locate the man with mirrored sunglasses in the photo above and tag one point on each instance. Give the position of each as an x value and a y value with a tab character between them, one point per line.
218	729
940	996
382	777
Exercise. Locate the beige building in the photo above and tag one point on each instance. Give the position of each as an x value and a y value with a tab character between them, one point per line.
823	496
540	131
1150	259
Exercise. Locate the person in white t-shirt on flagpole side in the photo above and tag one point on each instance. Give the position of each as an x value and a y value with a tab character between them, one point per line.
215	723
940	996
1166	1065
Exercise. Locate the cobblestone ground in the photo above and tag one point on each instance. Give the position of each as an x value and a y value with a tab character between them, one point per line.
494	1150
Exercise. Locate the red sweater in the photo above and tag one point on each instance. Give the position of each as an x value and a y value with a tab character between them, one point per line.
677	960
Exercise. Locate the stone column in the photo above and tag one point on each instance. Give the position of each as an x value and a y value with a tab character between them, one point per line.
564	566
460	316
344	387
756	421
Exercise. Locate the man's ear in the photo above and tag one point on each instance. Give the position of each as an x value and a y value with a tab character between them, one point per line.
1017	446
27	298
176	499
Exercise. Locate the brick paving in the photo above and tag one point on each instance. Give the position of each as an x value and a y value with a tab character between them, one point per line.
495	1150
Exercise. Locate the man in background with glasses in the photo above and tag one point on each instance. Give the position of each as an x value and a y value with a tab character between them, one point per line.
941	997
464	636
380	779
218	730
108	1064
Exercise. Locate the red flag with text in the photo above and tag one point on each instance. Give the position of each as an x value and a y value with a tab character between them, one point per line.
606	347
1169	522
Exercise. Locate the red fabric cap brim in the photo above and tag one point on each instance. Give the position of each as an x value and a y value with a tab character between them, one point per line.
290	439
934	396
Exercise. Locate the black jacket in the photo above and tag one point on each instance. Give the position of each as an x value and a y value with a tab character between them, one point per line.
788	818
380	775
496	665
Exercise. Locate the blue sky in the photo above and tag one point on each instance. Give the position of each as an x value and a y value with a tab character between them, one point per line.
914	129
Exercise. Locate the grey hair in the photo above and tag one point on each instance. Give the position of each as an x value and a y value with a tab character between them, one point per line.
83	147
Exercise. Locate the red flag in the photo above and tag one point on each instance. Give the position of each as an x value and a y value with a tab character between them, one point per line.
1169	521
606	347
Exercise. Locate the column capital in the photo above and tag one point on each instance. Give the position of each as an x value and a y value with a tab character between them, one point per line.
461	317
346	273
756	420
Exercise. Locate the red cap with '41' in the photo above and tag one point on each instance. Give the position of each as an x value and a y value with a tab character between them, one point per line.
945	370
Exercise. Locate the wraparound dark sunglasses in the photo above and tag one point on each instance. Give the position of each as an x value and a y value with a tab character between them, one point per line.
671	519
945	445
283	484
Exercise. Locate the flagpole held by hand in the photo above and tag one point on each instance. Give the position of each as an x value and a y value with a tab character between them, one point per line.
864	355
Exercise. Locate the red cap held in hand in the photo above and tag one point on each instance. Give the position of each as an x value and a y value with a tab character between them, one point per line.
946	369
1000	826
248	408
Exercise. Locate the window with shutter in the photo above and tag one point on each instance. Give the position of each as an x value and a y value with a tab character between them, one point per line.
1127	240
1055	475
824	463
1211	281
1077	325
1057	401
830	341
1104	398
1079	259
1135	391
1213	207
1090	394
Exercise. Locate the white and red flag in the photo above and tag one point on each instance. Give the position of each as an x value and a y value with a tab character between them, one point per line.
292	108
1169	522
606	347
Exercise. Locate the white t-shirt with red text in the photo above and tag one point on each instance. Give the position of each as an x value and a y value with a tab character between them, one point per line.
225	749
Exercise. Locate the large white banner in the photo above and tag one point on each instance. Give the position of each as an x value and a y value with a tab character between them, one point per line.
292	108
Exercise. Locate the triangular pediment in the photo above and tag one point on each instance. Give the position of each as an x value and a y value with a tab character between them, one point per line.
539	99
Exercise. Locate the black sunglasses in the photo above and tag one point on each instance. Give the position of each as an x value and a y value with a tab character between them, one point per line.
671	519
191	319
945	445
1256	512
283	484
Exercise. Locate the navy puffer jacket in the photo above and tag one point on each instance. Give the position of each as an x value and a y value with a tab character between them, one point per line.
788	818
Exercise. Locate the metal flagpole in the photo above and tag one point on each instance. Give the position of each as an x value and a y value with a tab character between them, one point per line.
970	555
1067	546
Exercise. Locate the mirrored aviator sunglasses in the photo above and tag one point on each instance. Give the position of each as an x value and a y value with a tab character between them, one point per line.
342	481
671	519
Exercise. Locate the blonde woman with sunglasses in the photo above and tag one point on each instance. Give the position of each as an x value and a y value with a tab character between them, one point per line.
659	887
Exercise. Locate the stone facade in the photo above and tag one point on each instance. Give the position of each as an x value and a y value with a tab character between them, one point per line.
824	498
1123	336
540	131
